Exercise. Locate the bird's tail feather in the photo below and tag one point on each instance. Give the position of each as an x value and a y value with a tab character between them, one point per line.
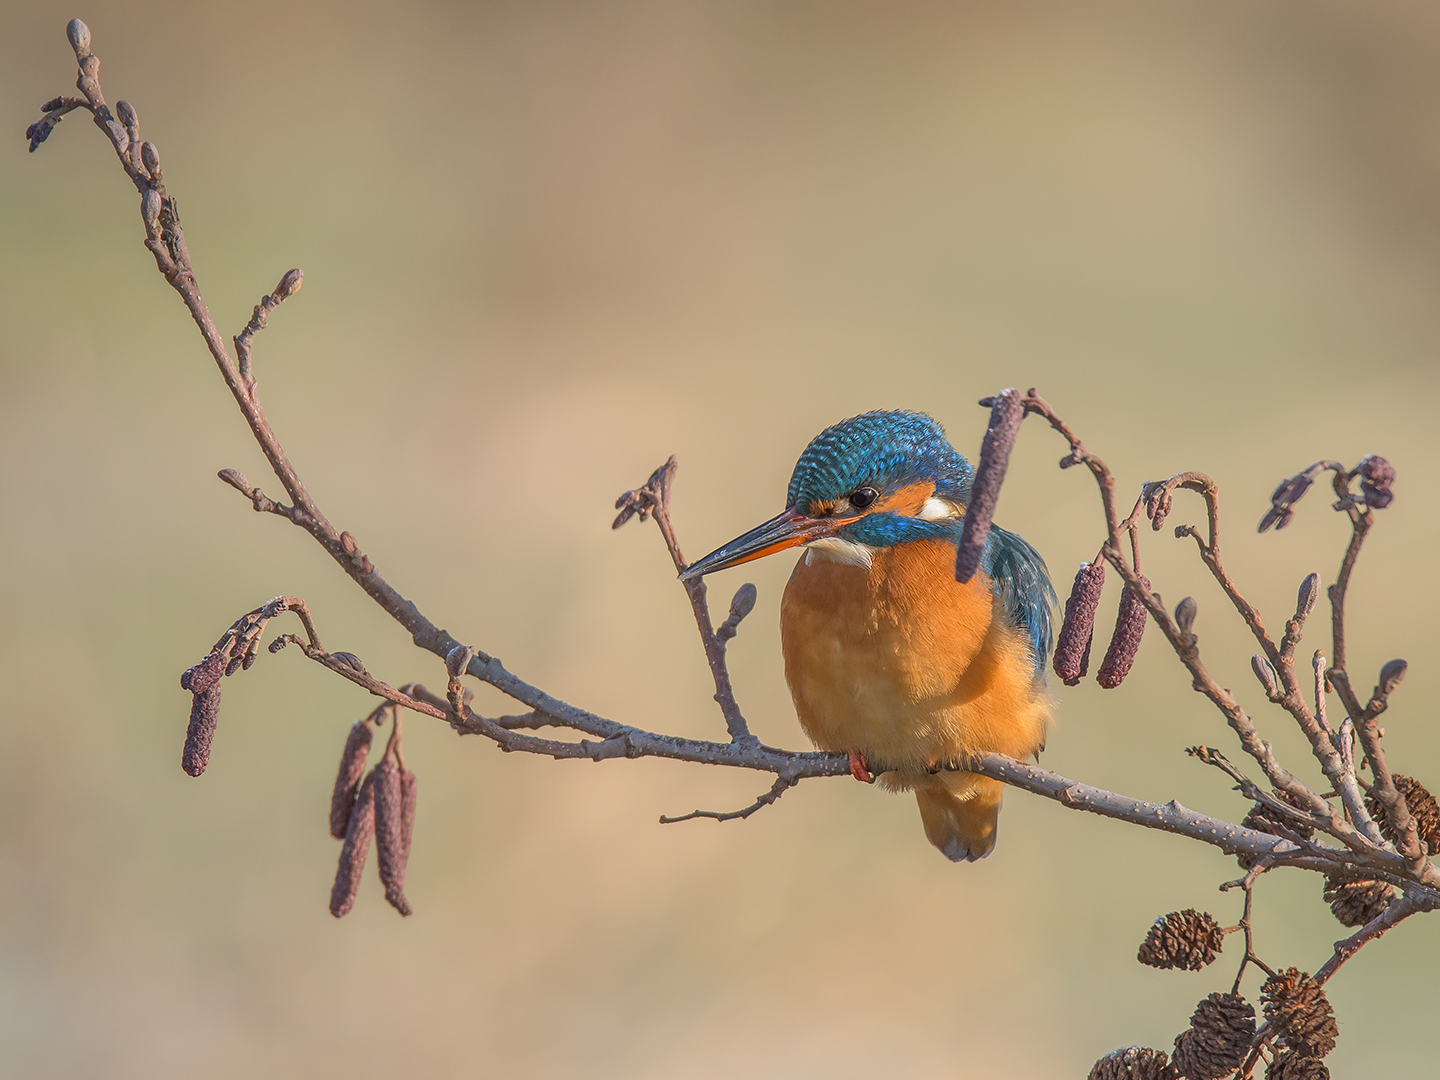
960	812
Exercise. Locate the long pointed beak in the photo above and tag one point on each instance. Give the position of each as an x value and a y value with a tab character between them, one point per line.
785	530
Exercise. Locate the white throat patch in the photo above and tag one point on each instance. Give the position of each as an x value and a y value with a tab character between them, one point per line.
835	549
937	510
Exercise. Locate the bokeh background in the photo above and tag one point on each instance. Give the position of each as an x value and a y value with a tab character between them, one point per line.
545	246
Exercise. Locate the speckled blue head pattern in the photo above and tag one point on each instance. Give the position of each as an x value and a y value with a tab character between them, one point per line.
883	450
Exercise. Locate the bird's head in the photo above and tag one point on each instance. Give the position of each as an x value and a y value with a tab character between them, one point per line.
874	480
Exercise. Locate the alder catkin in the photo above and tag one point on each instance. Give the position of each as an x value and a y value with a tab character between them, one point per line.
1125	641
1005	416
408	792
389	833
204	714
357	847
347	779
1077	630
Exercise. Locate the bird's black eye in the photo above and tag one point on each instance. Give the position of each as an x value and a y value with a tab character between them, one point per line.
860	498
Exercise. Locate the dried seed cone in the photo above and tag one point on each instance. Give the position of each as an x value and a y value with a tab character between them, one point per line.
1005	416
1299	1012
1125	641
347	779
1355	903
1422	808
1218	1040
1133	1063
204	714
389	833
355	851
1288	1065
1077	631
1186	939
1262	819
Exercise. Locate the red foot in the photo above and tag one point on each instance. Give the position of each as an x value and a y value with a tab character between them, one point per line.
859	768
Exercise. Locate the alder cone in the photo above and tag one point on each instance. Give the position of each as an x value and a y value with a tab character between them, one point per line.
1262	819
1422	808
1186	939
347	779
1134	1063
1299	1012
1288	1065
1355	903
1218	1040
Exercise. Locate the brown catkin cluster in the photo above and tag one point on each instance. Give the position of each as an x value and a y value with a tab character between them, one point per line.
1006	412
1125	641
1186	939
1297	1009
1077	630
1288	1065
1218	1040
1355	903
1422	808
347	779
383	810
203	681
1133	1063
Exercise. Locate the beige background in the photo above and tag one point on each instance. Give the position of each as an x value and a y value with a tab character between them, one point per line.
545	246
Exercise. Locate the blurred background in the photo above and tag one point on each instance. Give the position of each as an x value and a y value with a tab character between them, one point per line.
545	246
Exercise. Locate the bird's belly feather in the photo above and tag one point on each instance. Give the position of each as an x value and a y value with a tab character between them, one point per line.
906	665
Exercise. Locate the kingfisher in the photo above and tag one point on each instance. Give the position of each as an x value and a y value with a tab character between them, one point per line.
889	659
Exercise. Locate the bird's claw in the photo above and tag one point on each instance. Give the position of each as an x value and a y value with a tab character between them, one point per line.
860	768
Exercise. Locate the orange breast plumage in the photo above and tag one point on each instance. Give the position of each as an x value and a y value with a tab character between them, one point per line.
914	670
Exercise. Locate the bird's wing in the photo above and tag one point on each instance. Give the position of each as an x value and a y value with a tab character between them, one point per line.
1022	587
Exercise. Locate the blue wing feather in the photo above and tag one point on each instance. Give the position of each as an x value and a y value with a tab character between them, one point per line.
1022	587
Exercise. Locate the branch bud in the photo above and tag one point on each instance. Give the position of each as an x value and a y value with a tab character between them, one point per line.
1266	674
743	602
458	659
289	284
1309	594
150	210
150	156
1391	675
1376	476
1005	417
125	113
1185	613
79	35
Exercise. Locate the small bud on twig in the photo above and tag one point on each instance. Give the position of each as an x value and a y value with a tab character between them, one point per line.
1376	476
125	113
357	847
289	284
79	35
1125	641
350	660
458	659
389	833
1308	595
1266	674
740	605
1077	630
150	209
150	156
1185	613
1391	675
1005	417
347	778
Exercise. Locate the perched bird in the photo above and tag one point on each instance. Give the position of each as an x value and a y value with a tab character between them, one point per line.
888	657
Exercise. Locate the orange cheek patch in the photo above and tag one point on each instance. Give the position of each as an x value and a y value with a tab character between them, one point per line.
907	501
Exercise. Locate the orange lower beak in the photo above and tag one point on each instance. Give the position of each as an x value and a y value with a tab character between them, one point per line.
786	530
